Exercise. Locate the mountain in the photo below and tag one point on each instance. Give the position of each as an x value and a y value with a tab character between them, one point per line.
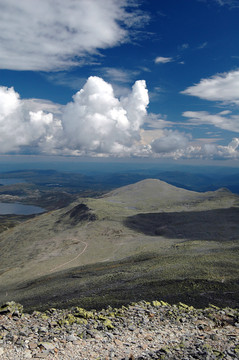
142	241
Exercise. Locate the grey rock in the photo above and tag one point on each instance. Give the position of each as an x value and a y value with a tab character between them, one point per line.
42	329
41	355
71	338
47	345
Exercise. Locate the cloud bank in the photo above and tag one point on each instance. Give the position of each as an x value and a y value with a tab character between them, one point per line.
58	34
97	123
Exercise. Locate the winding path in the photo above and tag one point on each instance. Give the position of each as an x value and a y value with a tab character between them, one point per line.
75	258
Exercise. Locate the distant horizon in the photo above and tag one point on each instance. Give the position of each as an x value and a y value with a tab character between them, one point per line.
63	163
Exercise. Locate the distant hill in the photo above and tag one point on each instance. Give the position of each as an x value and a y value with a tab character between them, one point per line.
108	176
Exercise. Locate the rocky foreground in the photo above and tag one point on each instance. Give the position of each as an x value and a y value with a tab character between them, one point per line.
141	330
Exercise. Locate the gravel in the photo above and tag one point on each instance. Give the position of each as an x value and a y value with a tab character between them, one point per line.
140	331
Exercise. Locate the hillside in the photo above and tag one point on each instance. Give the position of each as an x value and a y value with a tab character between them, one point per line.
142	241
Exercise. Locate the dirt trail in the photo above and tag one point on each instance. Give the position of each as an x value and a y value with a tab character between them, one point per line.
75	258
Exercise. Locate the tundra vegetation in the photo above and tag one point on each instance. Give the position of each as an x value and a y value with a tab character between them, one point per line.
142	241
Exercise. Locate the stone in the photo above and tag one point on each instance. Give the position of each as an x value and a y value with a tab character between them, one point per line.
118	342
42	355
27	354
71	338
214	337
148	337
134	332
32	345
42	329
47	345
24	332
77	342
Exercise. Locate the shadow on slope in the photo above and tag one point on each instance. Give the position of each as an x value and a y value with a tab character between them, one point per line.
79	213
218	225
143	277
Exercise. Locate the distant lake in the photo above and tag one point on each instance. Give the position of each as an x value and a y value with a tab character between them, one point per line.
19	209
11	181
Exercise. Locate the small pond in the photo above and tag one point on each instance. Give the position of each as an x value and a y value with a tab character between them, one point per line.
19	209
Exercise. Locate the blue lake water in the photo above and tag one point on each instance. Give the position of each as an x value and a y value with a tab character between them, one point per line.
11	181
19	209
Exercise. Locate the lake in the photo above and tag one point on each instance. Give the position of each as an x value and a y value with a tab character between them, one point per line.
11	181
19	209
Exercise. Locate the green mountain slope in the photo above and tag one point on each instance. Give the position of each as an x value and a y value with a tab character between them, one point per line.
146	240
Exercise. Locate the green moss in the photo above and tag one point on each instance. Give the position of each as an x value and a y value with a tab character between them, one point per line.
156	303
62	322
214	307
163	303
165	349
71	319
111	314
185	306
207	347
51	311
218	354
107	323
36	313
80	312
236	349
81	321
12	308
44	316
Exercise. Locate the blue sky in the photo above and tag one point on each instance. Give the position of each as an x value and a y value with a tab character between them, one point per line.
125	78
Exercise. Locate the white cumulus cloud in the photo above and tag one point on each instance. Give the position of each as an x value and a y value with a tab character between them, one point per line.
20	127
220	120
221	87
57	34
96	121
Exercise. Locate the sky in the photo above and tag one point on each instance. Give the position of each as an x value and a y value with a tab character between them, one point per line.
120	79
